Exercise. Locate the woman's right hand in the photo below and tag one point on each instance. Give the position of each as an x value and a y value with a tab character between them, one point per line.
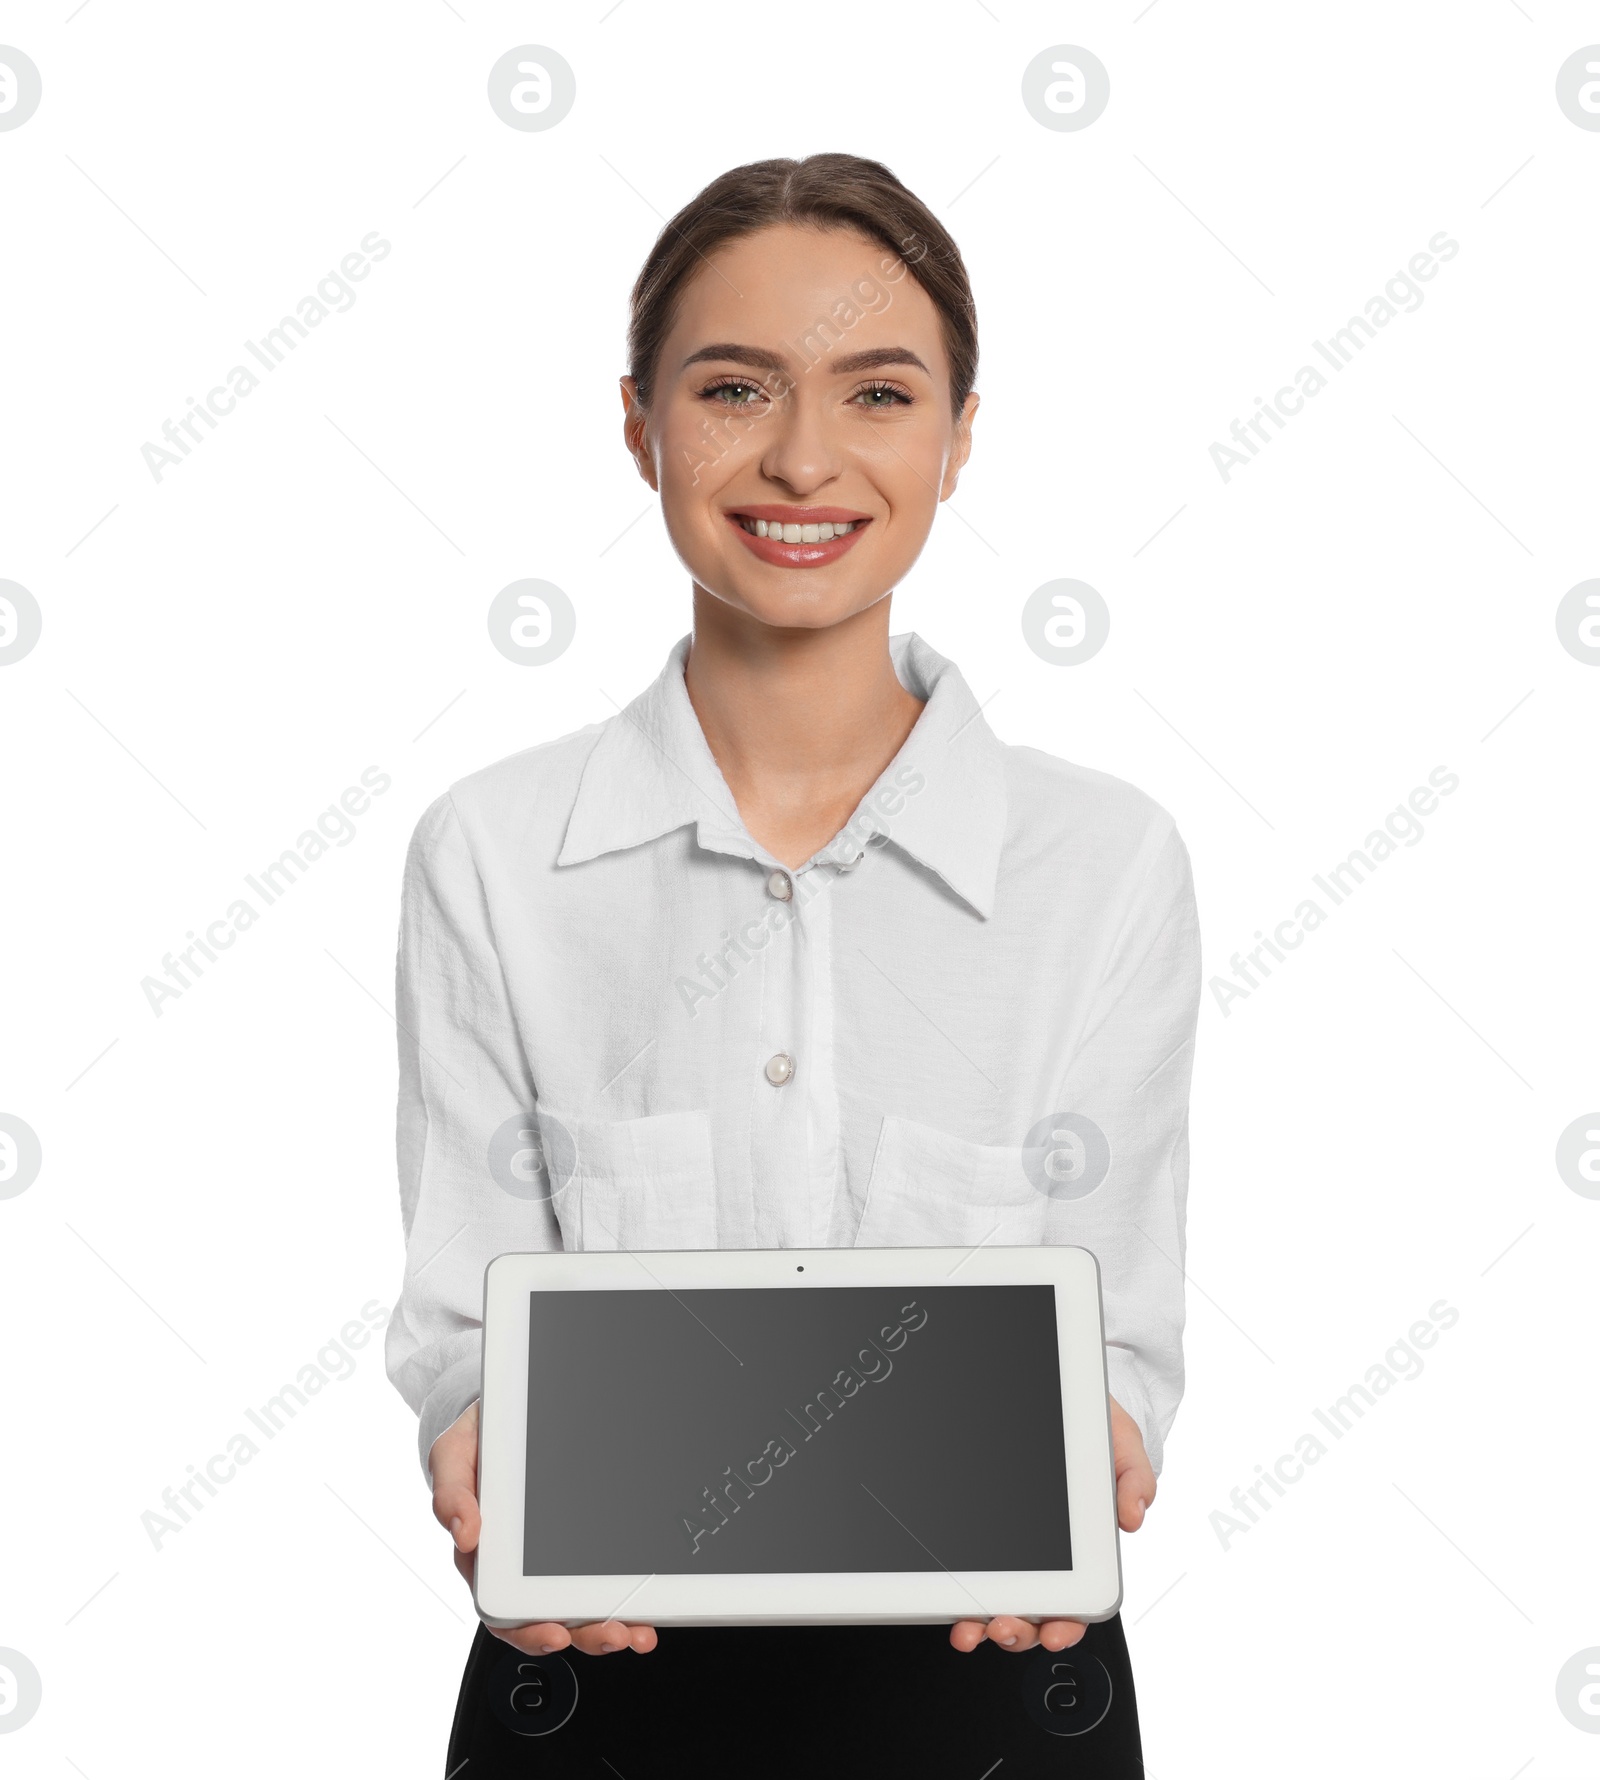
454	1461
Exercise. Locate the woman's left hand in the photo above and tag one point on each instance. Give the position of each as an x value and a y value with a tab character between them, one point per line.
1136	1489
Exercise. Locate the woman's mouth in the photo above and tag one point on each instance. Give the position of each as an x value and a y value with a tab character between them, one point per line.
798	537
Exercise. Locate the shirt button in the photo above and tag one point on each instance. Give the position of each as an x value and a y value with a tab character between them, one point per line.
779	1069
779	886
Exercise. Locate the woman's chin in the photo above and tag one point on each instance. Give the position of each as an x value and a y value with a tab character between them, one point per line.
790	599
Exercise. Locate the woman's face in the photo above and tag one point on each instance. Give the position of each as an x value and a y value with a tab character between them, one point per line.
802	391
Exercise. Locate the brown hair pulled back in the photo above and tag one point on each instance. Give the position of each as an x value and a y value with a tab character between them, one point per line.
829	191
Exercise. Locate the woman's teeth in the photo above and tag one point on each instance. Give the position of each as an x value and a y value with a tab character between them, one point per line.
797	534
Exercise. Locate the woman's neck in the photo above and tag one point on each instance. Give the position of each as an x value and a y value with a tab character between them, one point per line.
800	722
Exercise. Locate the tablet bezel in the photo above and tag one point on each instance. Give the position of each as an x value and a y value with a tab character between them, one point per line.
1090	1591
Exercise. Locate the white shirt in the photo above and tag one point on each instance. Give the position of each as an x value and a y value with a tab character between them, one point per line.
625	1024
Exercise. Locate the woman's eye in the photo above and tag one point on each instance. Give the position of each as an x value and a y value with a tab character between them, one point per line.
737	394
882	395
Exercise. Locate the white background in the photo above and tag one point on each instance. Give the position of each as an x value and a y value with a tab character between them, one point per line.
224	651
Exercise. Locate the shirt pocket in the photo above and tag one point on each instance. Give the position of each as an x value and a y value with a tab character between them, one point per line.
632	1183
929	1189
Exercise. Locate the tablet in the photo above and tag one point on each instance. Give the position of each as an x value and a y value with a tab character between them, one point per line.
795	1437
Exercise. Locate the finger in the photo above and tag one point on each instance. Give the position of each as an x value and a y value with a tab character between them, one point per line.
1060	1634
1011	1634
967	1634
642	1637
1136	1487
603	1638
534	1640
455	1493
455	1508
1136	1478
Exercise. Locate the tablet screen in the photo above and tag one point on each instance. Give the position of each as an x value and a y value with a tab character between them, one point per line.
827	1429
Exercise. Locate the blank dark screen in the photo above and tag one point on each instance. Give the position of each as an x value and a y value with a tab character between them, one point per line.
795	1429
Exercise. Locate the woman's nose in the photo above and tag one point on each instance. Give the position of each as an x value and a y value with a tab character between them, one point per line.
801	450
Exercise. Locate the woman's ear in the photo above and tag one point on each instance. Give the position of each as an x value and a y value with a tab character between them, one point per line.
960	447
633	431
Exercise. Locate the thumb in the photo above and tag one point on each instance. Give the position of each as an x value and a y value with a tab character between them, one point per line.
1136	1478
453	1460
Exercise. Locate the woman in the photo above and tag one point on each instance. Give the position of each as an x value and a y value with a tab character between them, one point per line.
798	954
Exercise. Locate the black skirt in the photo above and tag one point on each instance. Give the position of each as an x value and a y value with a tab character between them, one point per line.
844	1702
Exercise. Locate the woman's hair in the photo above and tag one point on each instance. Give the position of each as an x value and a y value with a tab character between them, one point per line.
826	191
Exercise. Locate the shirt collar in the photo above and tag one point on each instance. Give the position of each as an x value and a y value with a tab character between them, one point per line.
941	800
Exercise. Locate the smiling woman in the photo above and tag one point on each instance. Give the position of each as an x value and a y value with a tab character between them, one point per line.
858	382
905	986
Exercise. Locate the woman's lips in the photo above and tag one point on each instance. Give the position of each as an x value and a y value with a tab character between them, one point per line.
801	555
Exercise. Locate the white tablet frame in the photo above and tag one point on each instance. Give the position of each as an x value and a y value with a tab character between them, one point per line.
1091	1590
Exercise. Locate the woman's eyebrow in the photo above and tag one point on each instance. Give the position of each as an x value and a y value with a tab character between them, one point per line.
758	357
877	357
761	359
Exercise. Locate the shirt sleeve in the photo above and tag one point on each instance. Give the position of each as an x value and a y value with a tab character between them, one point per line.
1130	1074
463	1076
